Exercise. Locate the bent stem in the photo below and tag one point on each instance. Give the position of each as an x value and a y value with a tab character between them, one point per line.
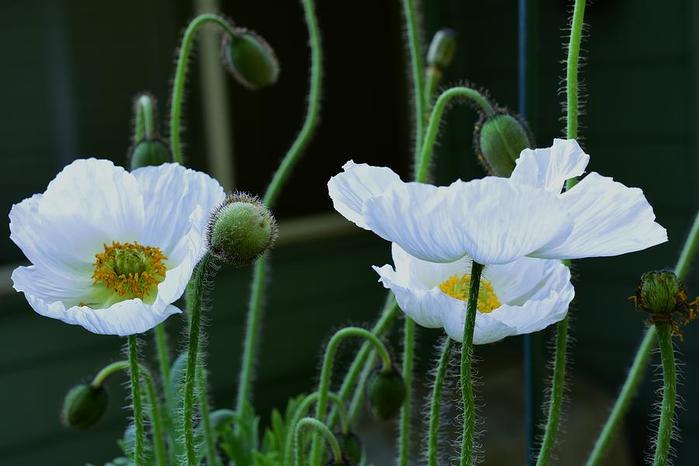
136	401
179	81
667	410
467	452
290	160
309	423
436	403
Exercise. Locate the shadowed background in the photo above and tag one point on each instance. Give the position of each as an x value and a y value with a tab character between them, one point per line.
71	67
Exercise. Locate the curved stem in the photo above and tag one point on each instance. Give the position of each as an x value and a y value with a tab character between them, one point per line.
139	447
178	84
440	105
406	409
467	452
436	402
557	392
309	423
107	371
358	396
416	70
290	160
667	410
195	305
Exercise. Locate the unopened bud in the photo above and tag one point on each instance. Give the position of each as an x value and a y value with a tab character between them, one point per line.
250	59
386	392
84	406
149	152
442	48
351	447
241	229
663	296
499	139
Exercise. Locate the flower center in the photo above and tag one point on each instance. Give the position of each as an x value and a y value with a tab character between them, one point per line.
457	286
129	269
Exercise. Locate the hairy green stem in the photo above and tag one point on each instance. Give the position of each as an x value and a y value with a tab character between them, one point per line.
102	376
209	437
667	409
288	163
139	448
195	307
416	70
178	85
572	88
436	403
467	451
689	250
309	423
423	165
145	107
407	408
359	392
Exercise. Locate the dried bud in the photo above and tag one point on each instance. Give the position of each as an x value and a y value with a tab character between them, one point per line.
442	48
149	152
351	447
386	392
499	139
663	296
84	406
241	229
250	59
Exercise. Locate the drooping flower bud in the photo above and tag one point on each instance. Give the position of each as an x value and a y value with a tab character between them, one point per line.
241	229
149	152
386	392
499	139
83	406
351	446
663	296
221	418
250	59
442	48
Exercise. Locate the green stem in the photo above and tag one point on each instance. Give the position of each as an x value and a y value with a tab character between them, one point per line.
416	70
689	250
406	409
440	105
164	362
290	160
326	371
179	81
667	410
433	76
572	97
195	304
557	392
145	124
309	423
435	404
107	371
358	396
209	437
139	448
467	452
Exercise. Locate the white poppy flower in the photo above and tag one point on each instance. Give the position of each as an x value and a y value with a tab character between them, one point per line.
112	250
524	296
499	220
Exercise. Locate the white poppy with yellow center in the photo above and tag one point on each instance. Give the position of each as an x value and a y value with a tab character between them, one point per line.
112	250
524	296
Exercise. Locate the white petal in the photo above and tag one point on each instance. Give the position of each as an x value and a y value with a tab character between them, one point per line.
491	220
549	168
609	219
357	183
176	199
487	330
417	273
520	280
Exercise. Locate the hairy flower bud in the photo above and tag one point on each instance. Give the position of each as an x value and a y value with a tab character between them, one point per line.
499	139
442	48
351	446
386	392
149	152
663	296
84	406
241	229
250	59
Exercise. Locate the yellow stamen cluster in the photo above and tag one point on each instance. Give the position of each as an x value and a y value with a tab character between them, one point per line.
457	286
129	269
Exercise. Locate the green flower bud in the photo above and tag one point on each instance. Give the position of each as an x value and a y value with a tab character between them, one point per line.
250	59
386	392
351	446
221	418
499	139
241	229
149	152
84	406
663	296
442	48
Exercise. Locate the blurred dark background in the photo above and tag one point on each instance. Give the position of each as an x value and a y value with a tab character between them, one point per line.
71	67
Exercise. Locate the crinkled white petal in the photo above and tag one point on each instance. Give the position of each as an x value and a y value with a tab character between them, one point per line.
534	294
356	184
175	200
491	220
550	167
609	219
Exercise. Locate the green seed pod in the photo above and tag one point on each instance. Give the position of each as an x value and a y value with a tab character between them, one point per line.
241	229
386	392
149	152
250	59
84	406
499	139
442	48
351	447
